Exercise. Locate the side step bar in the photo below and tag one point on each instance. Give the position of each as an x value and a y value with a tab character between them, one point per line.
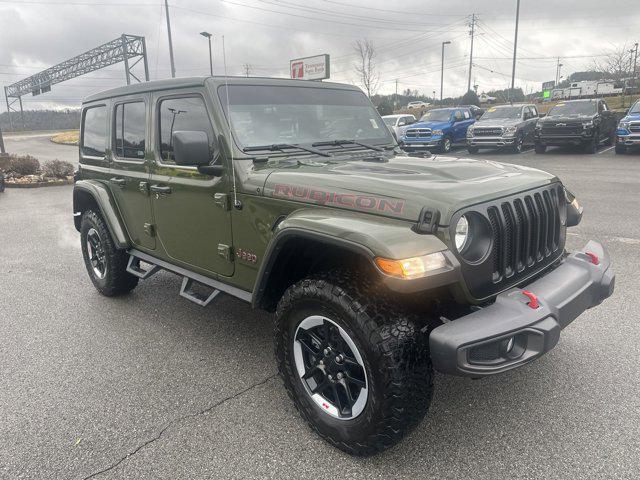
189	282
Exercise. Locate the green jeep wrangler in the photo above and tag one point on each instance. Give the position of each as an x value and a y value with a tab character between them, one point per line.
380	266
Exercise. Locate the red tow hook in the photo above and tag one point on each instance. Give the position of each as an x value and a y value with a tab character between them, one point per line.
594	258
533	299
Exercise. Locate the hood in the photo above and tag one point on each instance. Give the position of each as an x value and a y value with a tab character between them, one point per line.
566	118
431	125
402	186
634	117
498	122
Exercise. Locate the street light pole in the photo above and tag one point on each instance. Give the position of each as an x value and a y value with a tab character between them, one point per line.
442	69
208	36
173	66
515	48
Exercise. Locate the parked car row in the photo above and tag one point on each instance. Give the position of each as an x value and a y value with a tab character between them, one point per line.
585	123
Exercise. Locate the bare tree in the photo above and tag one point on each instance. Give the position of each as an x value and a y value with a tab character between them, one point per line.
365	66
616	63
247	69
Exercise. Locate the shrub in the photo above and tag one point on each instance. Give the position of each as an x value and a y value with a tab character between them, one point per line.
26	165
57	169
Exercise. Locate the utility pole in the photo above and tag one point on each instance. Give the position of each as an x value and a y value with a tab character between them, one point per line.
515	48
558	67
635	62
395	103
442	69
173	66
2	151
208	36
473	26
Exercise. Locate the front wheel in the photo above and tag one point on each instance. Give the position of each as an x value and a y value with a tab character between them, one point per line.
445	147
592	146
106	265
517	145
621	149
357	370
540	148
473	150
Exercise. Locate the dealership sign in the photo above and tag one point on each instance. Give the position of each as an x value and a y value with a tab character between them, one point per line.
310	68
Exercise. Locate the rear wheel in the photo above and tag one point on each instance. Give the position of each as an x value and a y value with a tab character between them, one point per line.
106	265
357	369
540	148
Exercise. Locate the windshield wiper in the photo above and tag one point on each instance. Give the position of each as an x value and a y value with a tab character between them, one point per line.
338	143
285	146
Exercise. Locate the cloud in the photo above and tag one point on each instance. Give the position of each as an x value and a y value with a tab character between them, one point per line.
267	33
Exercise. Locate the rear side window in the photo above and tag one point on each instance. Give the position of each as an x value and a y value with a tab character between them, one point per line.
94	132
181	114
130	130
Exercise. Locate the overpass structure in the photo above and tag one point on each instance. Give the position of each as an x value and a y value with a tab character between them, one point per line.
130	49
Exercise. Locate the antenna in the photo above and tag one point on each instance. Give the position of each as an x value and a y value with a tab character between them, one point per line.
236	203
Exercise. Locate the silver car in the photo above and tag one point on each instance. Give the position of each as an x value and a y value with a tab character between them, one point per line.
398	123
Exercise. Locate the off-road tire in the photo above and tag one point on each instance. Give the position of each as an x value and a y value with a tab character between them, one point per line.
473	150
539	148
621	149
394	349
116	281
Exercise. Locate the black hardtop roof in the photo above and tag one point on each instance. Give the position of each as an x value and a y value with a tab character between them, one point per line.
186	82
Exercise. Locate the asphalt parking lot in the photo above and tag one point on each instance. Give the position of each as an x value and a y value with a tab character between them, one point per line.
152	386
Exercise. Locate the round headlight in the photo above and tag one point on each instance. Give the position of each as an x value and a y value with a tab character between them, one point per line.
462	233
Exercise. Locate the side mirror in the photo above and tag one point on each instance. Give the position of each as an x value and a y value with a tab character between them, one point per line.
191	148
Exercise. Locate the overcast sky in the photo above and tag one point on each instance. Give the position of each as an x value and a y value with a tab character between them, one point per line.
267	33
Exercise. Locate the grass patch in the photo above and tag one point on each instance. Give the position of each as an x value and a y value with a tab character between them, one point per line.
67	138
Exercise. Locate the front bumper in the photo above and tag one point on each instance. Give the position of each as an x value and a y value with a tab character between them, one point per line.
422	143
628	139
562	140
510	333
490	141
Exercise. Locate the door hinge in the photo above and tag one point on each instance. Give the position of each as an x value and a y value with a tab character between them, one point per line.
224	251
150	229
221	200
144	187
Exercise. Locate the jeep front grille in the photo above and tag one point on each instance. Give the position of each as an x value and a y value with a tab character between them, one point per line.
527	235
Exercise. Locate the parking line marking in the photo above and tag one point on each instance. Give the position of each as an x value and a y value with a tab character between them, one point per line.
605	150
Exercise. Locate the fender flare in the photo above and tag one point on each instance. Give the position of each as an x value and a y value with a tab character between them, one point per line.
101	196
369	236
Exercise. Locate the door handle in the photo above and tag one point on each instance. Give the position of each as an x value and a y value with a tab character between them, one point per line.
118	181
160	189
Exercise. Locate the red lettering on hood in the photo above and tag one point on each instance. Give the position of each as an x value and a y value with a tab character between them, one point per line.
324	197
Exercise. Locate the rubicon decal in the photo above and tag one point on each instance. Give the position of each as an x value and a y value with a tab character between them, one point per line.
350	200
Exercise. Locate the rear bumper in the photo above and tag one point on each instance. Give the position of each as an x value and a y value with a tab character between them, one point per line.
510	333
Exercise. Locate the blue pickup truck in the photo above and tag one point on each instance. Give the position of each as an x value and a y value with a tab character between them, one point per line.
628	132
438	130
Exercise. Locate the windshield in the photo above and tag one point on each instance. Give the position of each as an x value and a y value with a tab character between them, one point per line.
389	121
436	116
267	115
573	108
635	109
503	112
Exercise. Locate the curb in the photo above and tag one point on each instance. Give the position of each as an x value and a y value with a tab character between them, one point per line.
57	183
